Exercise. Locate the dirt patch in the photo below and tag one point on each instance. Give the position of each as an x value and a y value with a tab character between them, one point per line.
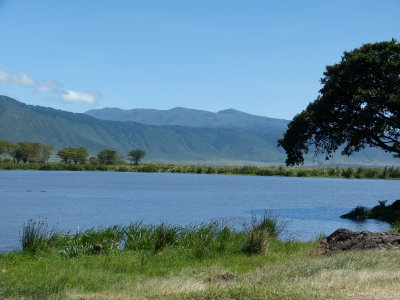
347	240
224	277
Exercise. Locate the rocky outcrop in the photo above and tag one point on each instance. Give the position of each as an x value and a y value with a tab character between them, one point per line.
347	240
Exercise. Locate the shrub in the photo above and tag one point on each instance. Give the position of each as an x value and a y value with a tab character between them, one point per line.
301	173
348	173
256	242
260	232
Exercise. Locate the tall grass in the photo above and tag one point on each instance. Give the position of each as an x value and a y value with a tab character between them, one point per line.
343	172
35	236
260	233
200	241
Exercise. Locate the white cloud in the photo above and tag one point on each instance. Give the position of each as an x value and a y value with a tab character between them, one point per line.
74	96
23	79
46	89
49	87
4	76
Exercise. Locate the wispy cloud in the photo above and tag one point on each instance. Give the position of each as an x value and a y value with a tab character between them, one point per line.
74	96
23	79
4	76
48	87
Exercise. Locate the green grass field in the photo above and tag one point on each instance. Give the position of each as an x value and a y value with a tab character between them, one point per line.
208	261
285	271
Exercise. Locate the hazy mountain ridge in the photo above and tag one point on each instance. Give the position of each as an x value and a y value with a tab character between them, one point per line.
19	122
229	118
212	145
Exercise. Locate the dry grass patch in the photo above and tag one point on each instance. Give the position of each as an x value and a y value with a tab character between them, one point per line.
353	276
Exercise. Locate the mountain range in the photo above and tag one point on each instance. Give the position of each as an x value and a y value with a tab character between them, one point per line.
178	135
180	116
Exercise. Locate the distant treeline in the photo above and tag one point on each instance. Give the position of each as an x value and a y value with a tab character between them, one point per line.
32	152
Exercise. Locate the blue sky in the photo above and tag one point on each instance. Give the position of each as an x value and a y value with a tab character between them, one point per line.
261	57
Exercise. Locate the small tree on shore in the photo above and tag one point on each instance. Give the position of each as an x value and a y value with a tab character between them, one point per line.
31	152
76	155
136	156
108	157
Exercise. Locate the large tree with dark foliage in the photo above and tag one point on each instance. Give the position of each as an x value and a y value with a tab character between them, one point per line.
358	106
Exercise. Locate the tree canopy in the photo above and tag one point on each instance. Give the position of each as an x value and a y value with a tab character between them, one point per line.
136	155
6	148
75	155
31	152
108	157
358	106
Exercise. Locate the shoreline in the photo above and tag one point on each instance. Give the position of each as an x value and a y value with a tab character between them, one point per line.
392	173
205	262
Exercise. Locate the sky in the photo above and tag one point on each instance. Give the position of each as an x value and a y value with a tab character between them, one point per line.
261	57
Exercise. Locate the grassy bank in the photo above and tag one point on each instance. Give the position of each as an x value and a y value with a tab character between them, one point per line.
209	261
336	172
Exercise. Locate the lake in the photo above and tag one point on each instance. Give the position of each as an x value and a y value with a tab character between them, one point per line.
81	200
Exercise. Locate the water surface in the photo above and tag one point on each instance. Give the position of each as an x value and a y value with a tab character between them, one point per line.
79	200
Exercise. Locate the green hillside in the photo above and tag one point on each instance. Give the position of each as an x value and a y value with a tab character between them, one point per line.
228	118
20	122
213	145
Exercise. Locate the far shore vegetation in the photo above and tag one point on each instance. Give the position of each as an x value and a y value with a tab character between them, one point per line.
35	156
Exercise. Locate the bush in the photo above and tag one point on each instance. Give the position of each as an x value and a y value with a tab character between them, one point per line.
348	173
260	232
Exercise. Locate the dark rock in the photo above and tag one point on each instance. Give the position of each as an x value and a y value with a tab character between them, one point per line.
97	248
347	240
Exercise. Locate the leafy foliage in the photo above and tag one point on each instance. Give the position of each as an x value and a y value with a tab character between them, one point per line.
108	157
31	152
6	148
76	155
358	105
136	155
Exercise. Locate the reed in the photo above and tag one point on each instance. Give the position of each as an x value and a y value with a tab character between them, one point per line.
370	173
201	240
